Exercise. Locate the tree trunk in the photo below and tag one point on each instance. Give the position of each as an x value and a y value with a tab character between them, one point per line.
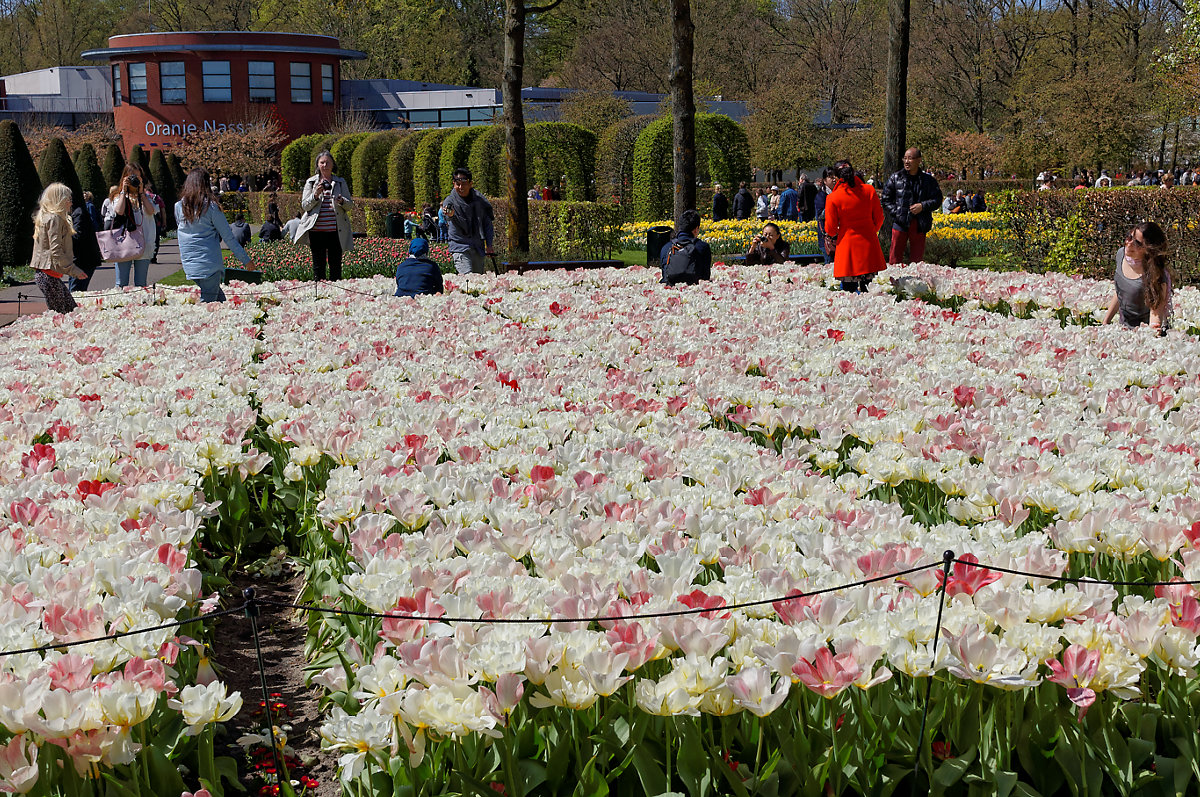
894	128
683	107
517	229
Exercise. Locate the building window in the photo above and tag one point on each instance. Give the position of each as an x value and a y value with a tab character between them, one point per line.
327	84
217	85
137	84
301	82
116	84
262	81
172	83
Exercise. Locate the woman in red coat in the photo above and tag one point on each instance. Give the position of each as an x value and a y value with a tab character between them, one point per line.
853	217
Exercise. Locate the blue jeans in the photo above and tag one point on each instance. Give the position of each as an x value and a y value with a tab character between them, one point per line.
210	288
141	268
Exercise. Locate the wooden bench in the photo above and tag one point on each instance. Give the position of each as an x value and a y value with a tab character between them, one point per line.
804	260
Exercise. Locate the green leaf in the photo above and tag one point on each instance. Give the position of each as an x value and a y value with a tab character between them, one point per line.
164	777
693	764
650	772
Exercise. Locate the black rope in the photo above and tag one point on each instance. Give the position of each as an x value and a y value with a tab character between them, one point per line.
947	559
1074	579
122	634
600	618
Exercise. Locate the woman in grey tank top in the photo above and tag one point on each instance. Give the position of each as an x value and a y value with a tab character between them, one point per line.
1143	281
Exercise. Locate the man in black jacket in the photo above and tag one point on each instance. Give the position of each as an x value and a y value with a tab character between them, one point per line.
743	202
910	197
686	259
720	205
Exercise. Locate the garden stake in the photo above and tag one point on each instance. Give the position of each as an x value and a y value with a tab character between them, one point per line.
252	614
947	560
20	296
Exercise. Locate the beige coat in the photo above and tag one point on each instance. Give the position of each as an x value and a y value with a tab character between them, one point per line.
53	249
310	203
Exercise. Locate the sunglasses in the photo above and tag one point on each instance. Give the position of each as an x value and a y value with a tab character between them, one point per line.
1129	239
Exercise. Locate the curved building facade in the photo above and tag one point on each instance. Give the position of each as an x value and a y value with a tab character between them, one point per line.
166	86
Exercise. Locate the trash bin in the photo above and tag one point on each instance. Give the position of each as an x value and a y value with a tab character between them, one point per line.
393	225
656	239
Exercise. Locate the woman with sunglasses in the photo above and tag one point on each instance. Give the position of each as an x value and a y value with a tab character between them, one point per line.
326	203
1143	280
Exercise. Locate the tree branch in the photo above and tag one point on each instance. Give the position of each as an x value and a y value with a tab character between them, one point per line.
543	9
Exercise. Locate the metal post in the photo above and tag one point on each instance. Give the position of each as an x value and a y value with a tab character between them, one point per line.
947	560
252	614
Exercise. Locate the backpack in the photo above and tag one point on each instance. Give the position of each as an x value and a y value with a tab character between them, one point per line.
679	266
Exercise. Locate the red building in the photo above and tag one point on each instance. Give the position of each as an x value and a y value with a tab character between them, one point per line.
168	85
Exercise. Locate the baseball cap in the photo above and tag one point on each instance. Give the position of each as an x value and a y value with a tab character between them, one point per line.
418	248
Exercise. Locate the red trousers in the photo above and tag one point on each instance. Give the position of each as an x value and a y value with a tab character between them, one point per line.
911	238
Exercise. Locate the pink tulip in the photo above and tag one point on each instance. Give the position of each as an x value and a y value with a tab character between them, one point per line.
826	674
1078	667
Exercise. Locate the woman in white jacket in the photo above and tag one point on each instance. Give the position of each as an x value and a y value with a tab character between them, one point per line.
326	203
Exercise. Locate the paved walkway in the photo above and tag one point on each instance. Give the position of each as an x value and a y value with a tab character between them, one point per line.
26	299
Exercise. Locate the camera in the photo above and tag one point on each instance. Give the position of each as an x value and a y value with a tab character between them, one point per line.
326	185
134	182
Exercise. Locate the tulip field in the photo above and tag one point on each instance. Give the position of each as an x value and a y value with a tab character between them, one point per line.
578	533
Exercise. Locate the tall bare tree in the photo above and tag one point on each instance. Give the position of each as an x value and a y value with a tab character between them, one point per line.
896	121
515	15
683	107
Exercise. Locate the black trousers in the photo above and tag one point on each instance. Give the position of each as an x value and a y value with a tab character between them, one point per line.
326	246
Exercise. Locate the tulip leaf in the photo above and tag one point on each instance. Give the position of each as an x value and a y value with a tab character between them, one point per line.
164	777
650	772
693	764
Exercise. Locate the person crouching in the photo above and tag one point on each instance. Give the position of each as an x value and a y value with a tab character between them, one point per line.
417	274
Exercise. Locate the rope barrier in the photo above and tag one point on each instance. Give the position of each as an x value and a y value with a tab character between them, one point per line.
1075	579
122	634
599	618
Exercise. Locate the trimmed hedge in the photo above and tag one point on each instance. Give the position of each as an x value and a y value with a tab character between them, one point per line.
20	188
428	160
54	166
722	156
614	158
486	162
114	164
561	149
368	166
566	230
456	152
138	155
88	170
160	173
177	172
400	168
343	156
294	161
1079	232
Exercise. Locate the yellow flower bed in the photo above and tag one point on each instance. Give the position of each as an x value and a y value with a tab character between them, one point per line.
976	230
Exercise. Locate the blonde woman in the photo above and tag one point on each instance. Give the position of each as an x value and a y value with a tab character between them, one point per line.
53	251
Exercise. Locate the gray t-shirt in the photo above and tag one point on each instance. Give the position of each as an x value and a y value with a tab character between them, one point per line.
1130	296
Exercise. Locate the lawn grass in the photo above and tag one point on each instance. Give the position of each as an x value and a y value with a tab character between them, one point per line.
175	278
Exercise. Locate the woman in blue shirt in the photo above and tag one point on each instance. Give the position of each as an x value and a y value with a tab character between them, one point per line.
202	227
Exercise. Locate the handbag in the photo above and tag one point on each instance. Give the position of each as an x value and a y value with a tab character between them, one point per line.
120	244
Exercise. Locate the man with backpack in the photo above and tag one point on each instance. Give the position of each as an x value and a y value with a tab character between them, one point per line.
686	259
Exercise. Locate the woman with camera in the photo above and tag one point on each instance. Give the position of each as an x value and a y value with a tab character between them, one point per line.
133	209
326	204
768	247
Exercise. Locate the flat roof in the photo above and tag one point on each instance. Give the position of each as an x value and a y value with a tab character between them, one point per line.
225	41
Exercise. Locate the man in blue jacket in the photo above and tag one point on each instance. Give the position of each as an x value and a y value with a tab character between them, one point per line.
417	274
910	197
789	204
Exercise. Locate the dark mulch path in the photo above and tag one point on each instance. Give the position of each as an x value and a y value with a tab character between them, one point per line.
281	633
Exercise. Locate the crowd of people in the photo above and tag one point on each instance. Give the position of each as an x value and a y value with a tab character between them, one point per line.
72	236
851	214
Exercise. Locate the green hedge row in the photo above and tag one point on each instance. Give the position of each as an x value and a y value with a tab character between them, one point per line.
722	156
1078	232
566	230
367	216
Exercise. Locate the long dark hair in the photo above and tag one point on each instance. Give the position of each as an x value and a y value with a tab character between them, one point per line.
1154	262
197	195
845	173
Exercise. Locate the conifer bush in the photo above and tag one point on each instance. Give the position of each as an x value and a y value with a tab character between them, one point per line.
20	188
